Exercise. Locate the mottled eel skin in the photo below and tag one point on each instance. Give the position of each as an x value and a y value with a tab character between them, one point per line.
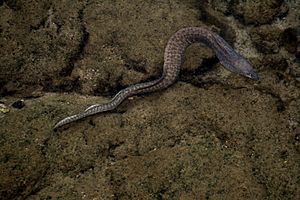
174	51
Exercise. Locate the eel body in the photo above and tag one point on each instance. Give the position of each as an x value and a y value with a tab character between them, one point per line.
173	57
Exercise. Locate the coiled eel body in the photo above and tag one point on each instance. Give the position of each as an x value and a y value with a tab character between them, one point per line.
173	56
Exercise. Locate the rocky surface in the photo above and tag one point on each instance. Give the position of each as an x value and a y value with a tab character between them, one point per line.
259	12
212	135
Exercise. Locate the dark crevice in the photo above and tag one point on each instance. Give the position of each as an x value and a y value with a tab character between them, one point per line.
79	52
108	90
193	76
67	82
288	38
212	17
206	66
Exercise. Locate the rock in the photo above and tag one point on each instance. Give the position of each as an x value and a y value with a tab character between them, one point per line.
257	11
267	38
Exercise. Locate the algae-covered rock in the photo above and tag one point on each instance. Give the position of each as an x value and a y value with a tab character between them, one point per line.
212	135
257	11
266	38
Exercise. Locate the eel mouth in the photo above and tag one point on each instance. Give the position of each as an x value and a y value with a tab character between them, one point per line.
253	75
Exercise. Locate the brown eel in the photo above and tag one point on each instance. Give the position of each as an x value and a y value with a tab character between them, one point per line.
173	56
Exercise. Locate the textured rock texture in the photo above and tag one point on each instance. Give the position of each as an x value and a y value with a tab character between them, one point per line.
212	135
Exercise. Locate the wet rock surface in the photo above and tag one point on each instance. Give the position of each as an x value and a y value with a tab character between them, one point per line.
212	135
